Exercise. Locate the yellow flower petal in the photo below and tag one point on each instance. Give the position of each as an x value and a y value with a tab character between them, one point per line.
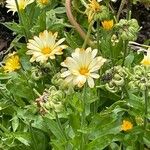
11	63
44	46
107	24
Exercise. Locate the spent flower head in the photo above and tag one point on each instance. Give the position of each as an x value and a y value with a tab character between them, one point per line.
82	66
12	62
44	46
92	8
11	4
51	101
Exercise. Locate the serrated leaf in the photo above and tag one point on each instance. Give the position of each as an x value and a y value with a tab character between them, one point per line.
15	123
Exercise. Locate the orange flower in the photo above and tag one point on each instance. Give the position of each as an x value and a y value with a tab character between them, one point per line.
107	24
126	125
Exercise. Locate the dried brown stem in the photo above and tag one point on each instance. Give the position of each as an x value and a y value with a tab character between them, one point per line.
74	23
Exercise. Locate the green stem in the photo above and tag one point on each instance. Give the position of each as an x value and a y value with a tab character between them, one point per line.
21	20
83	3
83	119
60	126
146	107
3	128
125	48
120	9
98	37
87	35
112	10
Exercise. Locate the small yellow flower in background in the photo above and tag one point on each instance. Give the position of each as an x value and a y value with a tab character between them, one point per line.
11	62
126	125
107	24
146	59
44	46
11	4
42	3
92	8
82	66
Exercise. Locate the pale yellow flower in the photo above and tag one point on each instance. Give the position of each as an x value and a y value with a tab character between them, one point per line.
44	46
107	24
12	62
146	59
126	125
11	4
82	66
92	8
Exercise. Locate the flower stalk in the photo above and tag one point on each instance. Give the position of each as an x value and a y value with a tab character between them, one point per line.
83	119
125	49
60	126
88	35
123	2
21	21
146	107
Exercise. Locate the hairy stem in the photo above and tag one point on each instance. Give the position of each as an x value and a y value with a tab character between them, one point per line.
146	107
123	2
83	119
21	21
88	35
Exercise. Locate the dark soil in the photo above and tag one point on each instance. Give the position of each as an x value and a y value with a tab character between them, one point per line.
142	14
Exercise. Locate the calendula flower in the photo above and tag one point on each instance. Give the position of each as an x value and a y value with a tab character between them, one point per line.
11	62
92	8
82	67
107	24
11	4
146	59
45	46
126	125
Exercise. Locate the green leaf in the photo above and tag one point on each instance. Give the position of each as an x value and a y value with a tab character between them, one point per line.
55	129
4	76
14	27
129	60
60	10
100	143
15	123
71	41
23	140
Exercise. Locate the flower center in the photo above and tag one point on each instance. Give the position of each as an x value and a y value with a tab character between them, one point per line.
83	71
46	50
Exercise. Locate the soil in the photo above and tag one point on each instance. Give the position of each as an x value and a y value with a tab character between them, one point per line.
6	35
139	12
